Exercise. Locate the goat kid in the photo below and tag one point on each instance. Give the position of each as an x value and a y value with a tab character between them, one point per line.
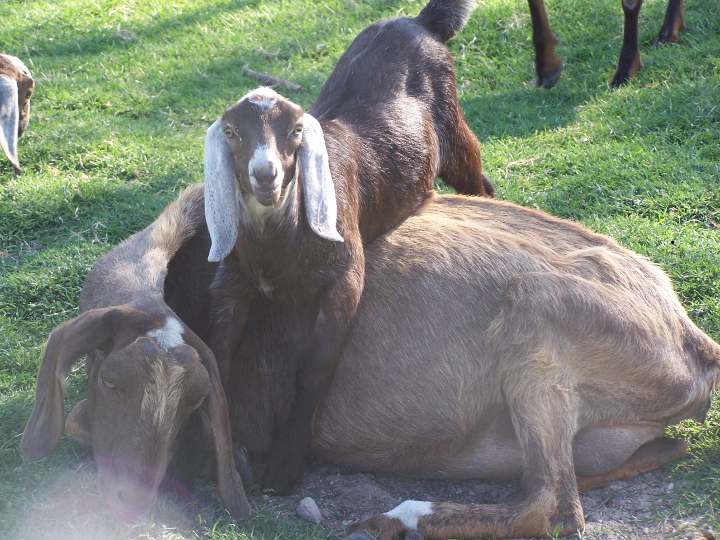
549	65
291	197
148	372
16	87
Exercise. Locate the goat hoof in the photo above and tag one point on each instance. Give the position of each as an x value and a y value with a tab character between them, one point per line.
283	473
626	71
548	80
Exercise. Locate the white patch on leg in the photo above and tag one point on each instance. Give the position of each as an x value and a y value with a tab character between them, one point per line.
169	335
408	512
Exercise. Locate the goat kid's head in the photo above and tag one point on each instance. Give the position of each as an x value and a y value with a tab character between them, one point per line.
140	393
254	154
16	87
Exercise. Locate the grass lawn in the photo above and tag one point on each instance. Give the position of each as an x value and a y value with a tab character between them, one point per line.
126	89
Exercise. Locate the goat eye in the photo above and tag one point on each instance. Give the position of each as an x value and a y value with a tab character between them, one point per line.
107	383
229	132
297	131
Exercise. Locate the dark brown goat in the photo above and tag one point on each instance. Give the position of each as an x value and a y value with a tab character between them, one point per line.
16	87
549	65
386	124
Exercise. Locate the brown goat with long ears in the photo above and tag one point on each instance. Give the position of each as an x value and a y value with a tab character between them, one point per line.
492	342
148	370
16	87
292	197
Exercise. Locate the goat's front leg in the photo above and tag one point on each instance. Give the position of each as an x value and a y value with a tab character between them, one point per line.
230	296
316	367
548	64
629	63
674	22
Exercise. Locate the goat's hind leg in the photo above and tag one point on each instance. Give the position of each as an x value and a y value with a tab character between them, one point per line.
462	168
674	22
629	63
548	64
648	457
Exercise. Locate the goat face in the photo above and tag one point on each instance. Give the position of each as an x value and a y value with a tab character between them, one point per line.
139	399
253	155
264	132
16	87
145	381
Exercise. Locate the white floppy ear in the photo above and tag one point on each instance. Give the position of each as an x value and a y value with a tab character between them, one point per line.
317	185
9	118
222	207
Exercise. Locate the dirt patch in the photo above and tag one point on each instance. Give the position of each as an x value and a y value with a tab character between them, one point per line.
638	508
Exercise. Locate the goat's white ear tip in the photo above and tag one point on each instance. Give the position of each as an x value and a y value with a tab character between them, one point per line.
215	256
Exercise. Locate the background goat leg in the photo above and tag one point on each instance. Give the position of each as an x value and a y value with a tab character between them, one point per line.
315	369
674	22
548	64
629	63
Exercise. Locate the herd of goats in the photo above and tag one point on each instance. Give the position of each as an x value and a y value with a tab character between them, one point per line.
314	296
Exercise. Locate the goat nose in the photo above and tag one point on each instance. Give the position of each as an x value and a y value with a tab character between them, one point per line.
266	172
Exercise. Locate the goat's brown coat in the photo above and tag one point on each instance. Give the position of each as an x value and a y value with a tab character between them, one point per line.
492	341
392	123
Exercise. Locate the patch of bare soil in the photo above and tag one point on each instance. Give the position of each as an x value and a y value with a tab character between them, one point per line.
638	508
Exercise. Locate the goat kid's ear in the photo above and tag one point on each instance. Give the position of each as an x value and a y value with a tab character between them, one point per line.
9	118
83	334
77	423
230	485
318	188
222	206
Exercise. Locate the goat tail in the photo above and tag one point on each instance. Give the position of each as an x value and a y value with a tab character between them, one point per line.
445	18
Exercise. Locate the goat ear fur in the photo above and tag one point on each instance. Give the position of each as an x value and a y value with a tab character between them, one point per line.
83	334
230	485
9	118
317	184
222	206
77	423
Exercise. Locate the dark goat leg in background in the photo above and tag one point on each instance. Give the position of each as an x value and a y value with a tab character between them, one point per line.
674	22
548	65
629	62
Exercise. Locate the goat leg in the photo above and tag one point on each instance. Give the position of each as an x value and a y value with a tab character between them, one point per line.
629	63
548	64
231	296
315	370
673	24
543	420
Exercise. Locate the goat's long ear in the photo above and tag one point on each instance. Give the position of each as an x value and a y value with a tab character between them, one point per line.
9	118
85	333
222	207
317	185
230	485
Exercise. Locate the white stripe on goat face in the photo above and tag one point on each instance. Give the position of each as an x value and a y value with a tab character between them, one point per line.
264	154
164	389
169	335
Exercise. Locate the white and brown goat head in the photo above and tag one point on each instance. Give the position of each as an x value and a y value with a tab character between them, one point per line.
16	87
151	374
254	154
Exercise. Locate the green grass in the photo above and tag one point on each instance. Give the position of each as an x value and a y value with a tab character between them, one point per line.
125	90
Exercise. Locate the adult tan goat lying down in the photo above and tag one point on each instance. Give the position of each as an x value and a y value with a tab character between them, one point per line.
492	341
